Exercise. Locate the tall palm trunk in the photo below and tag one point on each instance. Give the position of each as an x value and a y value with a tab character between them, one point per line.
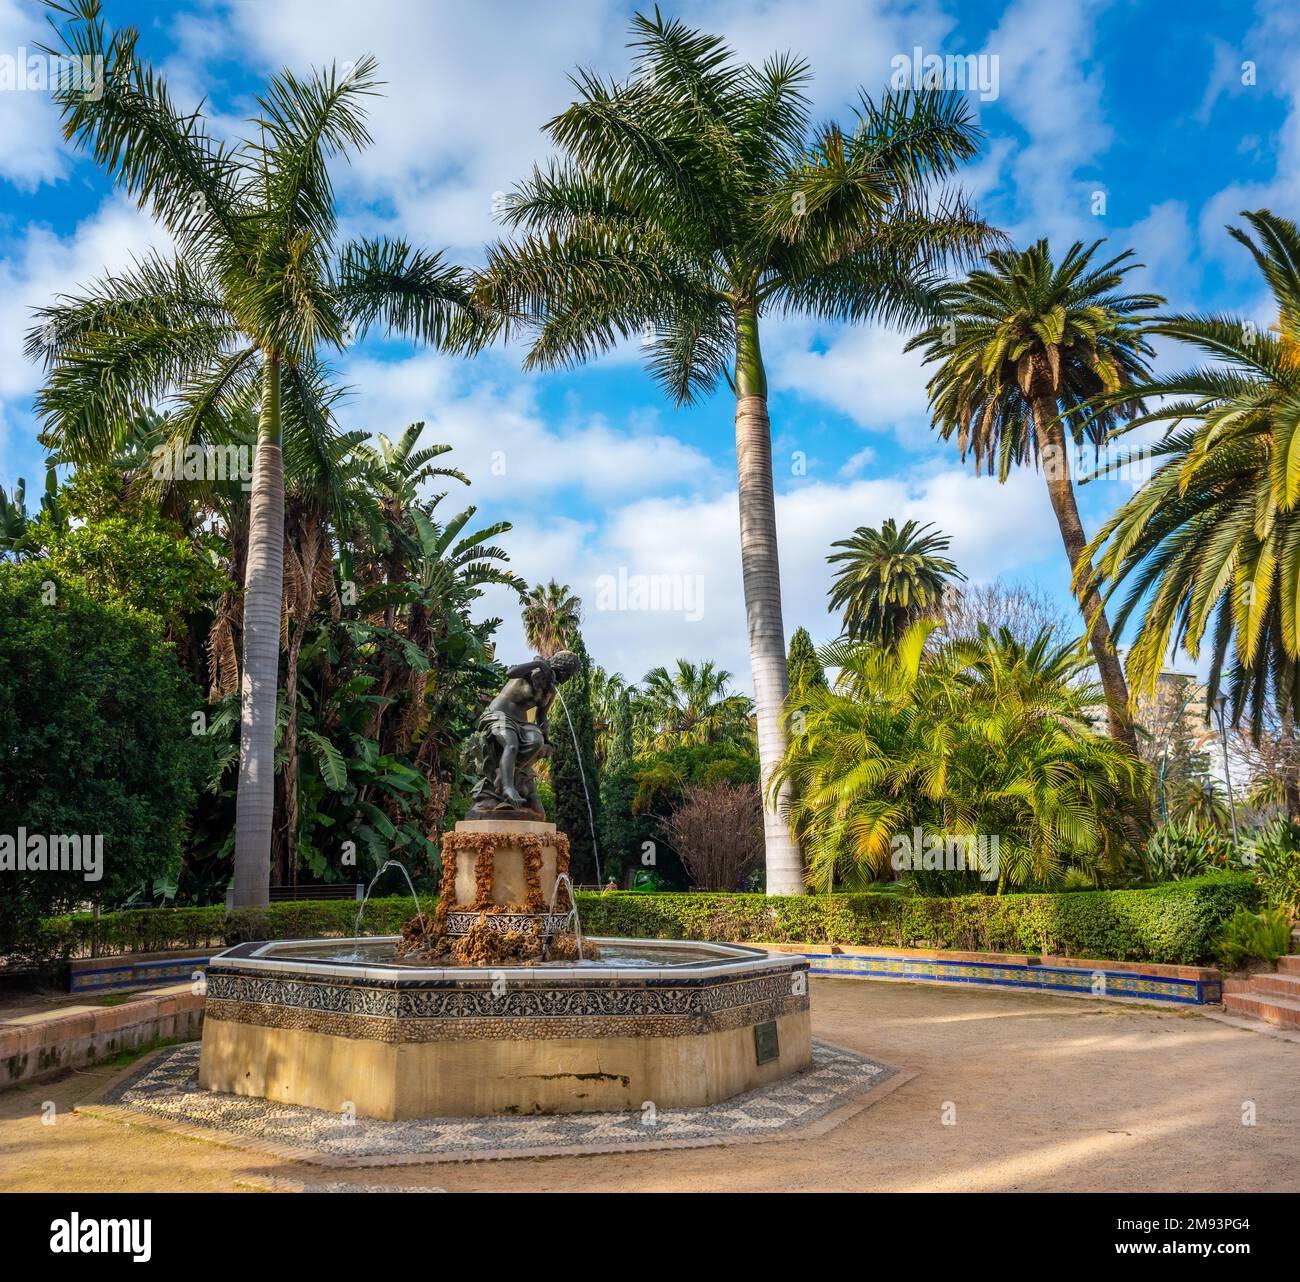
1060	489
761	572
263	585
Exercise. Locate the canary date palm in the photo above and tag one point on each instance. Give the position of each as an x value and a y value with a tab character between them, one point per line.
1025	349
1212	540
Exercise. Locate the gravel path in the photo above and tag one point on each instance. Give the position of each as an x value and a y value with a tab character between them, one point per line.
1012	1091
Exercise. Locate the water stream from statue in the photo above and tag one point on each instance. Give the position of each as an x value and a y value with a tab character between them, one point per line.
586	792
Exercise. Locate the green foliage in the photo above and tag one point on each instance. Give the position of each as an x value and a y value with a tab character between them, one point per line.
1272	855
141	561
152	930
889	579
641	794
1247	936
573	768
977	736
1176	851
1209	542
802	666
692	704
95	738
1177	924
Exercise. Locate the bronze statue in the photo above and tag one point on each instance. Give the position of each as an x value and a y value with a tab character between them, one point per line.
507	745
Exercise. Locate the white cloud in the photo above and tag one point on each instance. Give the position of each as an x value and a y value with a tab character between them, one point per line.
1049	84
994	530
863	372
31	146
513	454
43	264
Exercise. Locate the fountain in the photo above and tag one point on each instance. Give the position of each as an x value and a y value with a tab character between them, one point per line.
499	1004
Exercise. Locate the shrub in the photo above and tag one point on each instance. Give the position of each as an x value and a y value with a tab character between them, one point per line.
94	740
717	832
1272	855
1178	923
1248	935
1178	851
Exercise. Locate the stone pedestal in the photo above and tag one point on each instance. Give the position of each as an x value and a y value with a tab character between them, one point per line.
506	869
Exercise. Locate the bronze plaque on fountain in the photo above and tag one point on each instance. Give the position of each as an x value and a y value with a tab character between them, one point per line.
766	1045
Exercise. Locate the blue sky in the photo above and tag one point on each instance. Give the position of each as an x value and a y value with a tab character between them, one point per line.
1180	116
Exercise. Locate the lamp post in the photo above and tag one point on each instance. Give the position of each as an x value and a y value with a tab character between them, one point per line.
1222	704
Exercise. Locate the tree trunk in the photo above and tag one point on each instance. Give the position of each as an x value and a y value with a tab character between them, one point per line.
1060	489
761	572
263	585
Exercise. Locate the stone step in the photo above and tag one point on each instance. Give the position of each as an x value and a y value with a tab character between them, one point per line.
1278	985
1290	964
1237	986
1284	1012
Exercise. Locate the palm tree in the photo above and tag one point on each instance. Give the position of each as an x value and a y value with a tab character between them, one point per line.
890	578
981	736
694	705
551	616
1201	804
1024	348
1214	535
689	204
256	292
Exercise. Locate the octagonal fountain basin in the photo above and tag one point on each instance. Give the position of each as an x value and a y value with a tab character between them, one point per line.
343	1025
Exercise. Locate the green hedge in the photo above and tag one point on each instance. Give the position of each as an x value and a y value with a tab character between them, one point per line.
155	930
1176	923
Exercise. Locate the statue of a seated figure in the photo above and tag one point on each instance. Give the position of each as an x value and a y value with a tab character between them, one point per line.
507	745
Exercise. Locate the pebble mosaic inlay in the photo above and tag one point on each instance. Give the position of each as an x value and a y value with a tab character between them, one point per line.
166	1089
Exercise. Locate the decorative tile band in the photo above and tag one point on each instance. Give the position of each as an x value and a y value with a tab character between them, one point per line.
471	1010
117	972
1116	983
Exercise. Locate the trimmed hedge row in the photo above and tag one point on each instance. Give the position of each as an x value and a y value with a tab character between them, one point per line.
156	930
1175	923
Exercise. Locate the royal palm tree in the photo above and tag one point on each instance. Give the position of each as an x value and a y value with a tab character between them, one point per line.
1023	349
690	203
1214	535
694	704
889	578
551	617
258	292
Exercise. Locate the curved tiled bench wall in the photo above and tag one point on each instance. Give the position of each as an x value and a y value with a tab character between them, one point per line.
1142	981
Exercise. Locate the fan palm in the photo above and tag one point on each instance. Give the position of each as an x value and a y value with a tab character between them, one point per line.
257	291
551	616
689	204
889	578
1024	348
1214	535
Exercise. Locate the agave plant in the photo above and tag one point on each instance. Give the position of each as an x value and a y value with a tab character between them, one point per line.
1177	851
